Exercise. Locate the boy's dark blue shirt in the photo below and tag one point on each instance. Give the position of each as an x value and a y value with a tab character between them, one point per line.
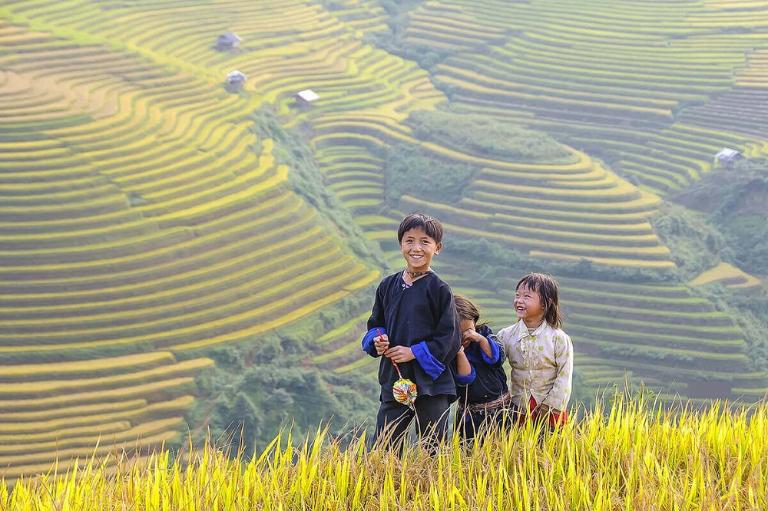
487	380
422	317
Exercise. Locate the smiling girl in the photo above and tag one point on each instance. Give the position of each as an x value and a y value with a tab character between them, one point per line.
539	352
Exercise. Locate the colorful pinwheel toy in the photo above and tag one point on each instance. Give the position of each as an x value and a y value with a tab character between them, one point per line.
403	389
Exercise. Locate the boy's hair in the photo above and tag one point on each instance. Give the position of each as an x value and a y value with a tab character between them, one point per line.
547	288
430	225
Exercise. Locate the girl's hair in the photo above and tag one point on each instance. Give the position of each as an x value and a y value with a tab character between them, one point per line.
467	310
546	286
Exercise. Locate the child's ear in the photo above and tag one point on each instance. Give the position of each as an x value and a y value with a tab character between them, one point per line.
439	248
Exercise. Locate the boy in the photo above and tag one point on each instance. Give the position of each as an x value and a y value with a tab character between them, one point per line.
414	324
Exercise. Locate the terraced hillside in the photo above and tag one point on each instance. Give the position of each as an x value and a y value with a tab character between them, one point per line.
647	96
142	213
144	219
584	75
83	408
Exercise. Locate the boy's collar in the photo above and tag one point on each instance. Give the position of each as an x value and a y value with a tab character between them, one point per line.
417	274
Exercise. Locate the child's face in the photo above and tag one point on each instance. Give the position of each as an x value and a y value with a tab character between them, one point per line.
464	325
418	249
528	305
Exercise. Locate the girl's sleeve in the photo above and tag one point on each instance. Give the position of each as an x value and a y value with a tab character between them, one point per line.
561	390
463	381
376	323
434	354
504	339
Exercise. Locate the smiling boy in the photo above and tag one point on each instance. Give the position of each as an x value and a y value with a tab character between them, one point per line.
414	324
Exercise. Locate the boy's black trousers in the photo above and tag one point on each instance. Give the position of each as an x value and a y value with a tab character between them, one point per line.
431	416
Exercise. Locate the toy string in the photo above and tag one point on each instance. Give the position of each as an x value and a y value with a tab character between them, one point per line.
397	368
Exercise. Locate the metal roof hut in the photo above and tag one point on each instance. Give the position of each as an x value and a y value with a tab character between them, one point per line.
306	97
727	157
235	81
228	41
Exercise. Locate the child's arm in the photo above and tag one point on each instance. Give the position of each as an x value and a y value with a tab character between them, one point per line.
493	353
506	342
465	373
375	341
561	390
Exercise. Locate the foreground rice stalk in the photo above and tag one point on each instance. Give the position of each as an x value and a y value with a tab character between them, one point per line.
630	456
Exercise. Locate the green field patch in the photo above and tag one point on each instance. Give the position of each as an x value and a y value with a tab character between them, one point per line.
723	336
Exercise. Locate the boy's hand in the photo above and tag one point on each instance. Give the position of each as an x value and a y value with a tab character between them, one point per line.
381	343
400	354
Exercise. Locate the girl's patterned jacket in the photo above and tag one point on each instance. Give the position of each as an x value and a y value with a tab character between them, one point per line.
542	364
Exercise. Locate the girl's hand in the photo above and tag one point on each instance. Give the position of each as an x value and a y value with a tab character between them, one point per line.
470	335
381	343
400	354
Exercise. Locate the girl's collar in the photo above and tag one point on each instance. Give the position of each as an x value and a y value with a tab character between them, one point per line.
524	328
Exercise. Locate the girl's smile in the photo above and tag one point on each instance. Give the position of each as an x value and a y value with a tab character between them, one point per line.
528	306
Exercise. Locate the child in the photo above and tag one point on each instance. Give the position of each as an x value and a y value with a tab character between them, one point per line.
540	353
480	379
413	324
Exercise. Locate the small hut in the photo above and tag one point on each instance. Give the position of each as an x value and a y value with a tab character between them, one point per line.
235	81
228	41
306	97
727	157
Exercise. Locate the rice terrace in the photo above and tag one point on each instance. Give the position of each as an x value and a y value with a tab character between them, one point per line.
199	199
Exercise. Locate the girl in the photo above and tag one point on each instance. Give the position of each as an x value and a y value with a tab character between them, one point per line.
540	353
480	380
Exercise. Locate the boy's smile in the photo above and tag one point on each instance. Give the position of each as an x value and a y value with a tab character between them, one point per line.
418	248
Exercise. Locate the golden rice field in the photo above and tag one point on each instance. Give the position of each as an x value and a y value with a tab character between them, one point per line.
627	456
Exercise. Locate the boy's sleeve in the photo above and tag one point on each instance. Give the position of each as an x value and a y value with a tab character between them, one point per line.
376	323
561	390
433	354
497	350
